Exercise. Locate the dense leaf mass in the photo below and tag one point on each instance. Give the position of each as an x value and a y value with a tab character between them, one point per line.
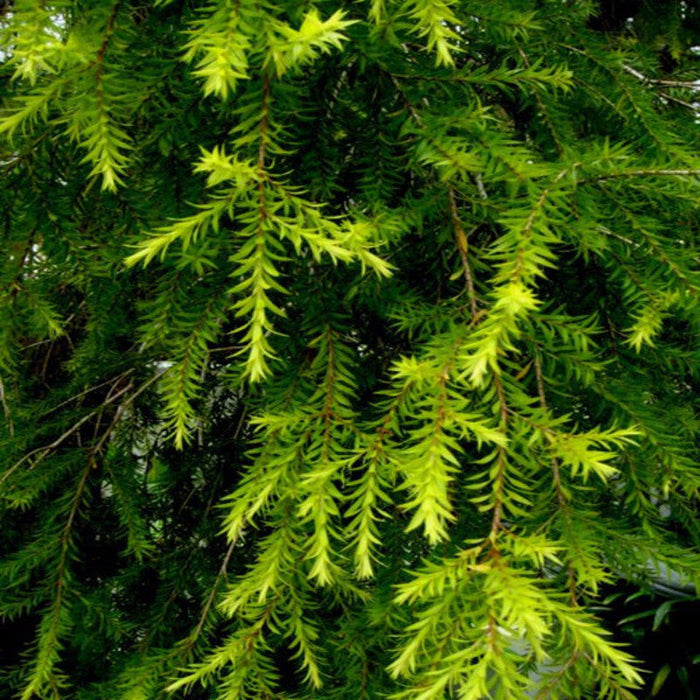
347	350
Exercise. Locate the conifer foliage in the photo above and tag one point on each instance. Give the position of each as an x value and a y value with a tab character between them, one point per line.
347	350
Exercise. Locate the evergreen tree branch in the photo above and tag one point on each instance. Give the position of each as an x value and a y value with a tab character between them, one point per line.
644	172
463	248
194	636
435	472
53	626
562	499
46	450
499	479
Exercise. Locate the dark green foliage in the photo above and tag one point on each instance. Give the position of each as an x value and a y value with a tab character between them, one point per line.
347	350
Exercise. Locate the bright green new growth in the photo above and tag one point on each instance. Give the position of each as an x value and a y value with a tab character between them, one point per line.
345	351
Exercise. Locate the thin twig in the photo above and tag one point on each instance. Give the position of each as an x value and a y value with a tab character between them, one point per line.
87	391
45	450
647	172
556	472
686	84
460	236
500	478
463	248
683	103
6	409
110	428
212	594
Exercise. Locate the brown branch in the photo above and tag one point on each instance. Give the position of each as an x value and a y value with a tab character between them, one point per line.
649	172
54	613
264	126
460	236
682	103
327	413
689	84
543	198
649	240
463	248
543	109
262	206
556	472
686	84
87	391
65	535
97	449
99	59
6	409
475	179
544	693
210	599
530	221
45	450
500	481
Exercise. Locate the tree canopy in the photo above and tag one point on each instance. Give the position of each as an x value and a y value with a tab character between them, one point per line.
347	350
